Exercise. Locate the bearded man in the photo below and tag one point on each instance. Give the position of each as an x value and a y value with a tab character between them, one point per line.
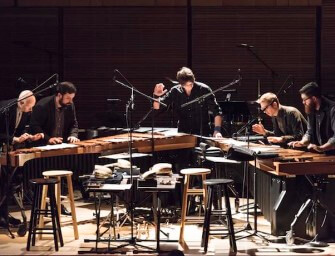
320	134
54	117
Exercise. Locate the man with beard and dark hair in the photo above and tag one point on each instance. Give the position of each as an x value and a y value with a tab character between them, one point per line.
54	117
320	134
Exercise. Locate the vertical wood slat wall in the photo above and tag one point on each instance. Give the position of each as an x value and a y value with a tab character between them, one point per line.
148	44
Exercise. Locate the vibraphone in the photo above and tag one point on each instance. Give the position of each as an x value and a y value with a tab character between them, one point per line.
81	157
281	185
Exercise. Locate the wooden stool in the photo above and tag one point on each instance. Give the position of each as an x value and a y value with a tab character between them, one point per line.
191	192
59	174
212	185
37	211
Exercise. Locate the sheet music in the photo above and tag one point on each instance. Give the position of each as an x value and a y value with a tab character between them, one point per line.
260	149
57	146
115	187
117	140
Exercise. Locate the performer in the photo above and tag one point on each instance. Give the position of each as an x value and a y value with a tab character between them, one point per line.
54	117
189	117
320	134
18	118
288	122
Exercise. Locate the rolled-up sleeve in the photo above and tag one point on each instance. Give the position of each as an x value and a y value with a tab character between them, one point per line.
331	140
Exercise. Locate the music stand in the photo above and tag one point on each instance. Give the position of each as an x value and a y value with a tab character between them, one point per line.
236	112
245	155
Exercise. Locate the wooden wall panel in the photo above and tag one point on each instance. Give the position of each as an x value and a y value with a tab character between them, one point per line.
149	43
328	46
145	44
28	47
284	37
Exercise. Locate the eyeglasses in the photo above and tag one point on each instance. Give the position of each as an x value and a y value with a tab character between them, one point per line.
264	109
304	100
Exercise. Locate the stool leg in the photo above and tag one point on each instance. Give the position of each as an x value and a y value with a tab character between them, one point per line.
209	213
58	196
53	217
43	206
31	219
232	239
73	208
184	209
204	190
35	213
60	236
204	229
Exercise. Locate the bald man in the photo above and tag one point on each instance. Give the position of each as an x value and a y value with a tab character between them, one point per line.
18	118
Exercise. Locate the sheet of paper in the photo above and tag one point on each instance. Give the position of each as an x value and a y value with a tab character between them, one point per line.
57	146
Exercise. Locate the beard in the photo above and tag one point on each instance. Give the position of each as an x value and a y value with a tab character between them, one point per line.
309	109
63	105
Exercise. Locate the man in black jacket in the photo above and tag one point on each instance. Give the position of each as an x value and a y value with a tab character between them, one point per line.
194	118
320	134
54	117
17	120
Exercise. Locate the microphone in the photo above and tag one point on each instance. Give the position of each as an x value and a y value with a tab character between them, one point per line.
172	81
113	100
228	96
244	46
114	74
291	83
21	80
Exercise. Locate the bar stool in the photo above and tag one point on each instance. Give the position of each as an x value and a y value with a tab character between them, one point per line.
189	172
59	174
221	173
37	211
211	185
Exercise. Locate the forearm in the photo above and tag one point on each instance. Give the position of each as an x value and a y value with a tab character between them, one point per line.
327	146
218	121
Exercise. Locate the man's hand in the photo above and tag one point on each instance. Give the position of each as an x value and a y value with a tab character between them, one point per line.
296	144
22	138
36	137
315	148
159	90
217	135
72	139
259	128
273	139
55	140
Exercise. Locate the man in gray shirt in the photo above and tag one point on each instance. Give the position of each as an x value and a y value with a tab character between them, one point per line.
288	122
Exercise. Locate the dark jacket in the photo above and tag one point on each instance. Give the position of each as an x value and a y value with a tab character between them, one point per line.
43	119
12	120
326	126
192	116
292	121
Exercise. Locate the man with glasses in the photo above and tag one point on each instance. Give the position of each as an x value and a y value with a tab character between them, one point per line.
320	134
288	122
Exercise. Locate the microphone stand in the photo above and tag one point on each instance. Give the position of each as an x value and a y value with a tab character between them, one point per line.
274	74
5	110
129	108
202	98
